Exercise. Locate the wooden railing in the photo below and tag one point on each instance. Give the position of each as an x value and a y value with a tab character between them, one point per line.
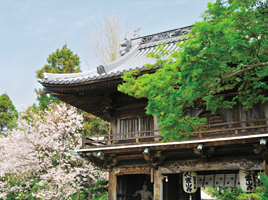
221	130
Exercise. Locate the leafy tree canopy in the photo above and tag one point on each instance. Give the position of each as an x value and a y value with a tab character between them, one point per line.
61	61
95	125
64	61
44	100
225	53
8	114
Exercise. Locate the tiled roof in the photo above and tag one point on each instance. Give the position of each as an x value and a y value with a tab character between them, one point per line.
134	59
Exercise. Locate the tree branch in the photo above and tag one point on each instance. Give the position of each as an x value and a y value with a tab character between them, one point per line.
249	67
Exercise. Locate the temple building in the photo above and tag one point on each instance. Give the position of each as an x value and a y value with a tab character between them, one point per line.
231	145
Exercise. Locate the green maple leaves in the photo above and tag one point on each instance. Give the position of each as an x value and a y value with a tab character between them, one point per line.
225	53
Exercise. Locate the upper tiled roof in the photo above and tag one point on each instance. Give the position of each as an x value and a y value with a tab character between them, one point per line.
134	59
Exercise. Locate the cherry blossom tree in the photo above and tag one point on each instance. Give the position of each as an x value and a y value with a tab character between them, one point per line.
35	159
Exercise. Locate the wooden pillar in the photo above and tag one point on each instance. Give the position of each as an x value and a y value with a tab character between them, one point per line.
197	195
112	185
83	139
265	167
158	185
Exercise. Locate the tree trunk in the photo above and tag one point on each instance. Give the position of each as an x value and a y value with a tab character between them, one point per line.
89	192
78	195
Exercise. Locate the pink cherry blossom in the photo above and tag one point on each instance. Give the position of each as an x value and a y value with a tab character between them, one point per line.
40	148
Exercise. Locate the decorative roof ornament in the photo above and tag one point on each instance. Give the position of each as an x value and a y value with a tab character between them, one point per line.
101	69
136	32
134	47
125	47
165	35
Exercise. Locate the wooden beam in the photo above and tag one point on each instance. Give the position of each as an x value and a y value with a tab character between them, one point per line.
221	164
130	157
177	145
132	170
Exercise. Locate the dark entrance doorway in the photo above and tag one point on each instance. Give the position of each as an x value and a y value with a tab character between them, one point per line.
173	190
127	185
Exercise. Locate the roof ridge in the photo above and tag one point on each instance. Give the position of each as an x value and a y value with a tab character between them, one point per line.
105	68
134	58
67	75
180	31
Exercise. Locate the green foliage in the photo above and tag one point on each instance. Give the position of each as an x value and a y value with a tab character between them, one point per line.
95	125
101	189
225	53
225	193
102	182
8	114
44	100
61	61
15	180
264	180
102	196
64	61
81	195
233	193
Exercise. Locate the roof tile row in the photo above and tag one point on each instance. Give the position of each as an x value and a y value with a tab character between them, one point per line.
135	59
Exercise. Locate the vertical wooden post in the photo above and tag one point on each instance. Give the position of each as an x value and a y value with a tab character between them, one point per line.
112	131
137	138
83	139
112	185
156	127
89	186
158	185
152	175
265	167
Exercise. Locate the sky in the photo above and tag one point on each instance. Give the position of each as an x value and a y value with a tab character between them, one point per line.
31	30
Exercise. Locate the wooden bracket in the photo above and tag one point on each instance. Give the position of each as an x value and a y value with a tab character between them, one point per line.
107	162
111	161
96	162
261	151
257	149
108	112
205	152
154	158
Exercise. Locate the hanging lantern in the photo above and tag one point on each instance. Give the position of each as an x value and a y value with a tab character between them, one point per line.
189	181
247	181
